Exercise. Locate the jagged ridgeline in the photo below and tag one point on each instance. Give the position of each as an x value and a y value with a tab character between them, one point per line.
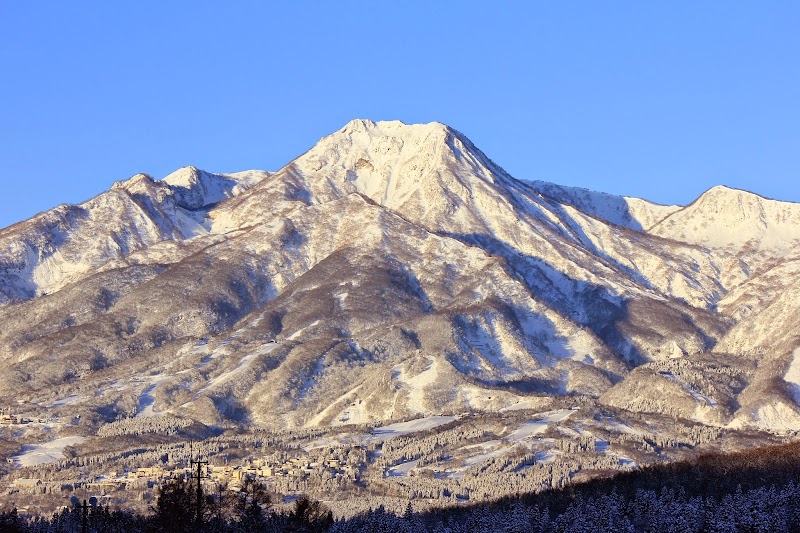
394	271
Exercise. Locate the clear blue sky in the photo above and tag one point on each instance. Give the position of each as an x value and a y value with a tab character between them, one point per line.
660	100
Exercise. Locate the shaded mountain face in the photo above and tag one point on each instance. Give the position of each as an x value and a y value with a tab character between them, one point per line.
395	270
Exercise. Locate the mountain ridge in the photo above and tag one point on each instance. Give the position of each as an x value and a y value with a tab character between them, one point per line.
383	249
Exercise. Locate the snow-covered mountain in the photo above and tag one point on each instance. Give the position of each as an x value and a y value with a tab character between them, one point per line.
394	270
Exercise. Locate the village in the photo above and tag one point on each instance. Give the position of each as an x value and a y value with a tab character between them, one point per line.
276	471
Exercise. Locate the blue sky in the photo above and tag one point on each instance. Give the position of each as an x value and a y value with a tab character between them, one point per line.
660	100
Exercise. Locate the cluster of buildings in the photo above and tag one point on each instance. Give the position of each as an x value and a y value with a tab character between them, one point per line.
294	467
213	475
9	419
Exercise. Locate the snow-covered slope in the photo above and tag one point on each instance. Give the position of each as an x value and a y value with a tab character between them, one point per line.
194	188
393	270
633	213
734	220
61	246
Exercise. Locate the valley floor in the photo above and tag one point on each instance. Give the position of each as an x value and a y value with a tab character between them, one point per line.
435	461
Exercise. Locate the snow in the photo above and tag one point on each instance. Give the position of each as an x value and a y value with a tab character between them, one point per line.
146	398
403	469
535	427
67	400
392	431
190	224
694	393
47	452
326	412
342	297
543	457
414	386
522	435
296	335
449	196
792	376
776	416
67	243
355	413
626	461
490	450
243	364
612	424
383	433
385	161
633	213
725	218
195	188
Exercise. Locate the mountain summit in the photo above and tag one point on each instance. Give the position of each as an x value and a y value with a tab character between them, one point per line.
395	270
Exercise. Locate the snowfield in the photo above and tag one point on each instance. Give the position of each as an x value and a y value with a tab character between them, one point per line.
792	376
391	431
47	452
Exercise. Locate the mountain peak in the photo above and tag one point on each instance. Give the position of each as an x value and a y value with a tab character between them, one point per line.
382	145
396	164
358	124
133	180
725	217
194	188
723	191
184	177
137	184
362	132
392	127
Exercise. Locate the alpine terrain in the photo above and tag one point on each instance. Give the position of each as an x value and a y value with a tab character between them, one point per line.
393	291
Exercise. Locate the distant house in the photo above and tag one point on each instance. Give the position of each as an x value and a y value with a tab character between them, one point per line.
27	483
105	486
150	473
